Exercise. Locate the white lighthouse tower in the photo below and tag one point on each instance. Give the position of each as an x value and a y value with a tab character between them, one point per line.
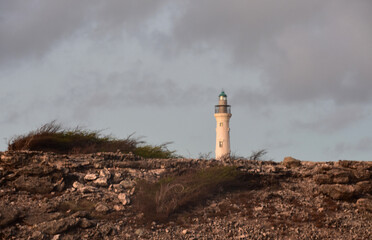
222	113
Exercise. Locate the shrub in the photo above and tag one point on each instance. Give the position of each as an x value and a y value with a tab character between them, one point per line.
257	155
171	194
158	151
207	155
51	137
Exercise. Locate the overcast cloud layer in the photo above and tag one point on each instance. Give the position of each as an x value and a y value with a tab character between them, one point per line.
298	73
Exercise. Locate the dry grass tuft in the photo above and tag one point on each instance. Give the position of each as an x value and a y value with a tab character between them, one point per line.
52	137
172	194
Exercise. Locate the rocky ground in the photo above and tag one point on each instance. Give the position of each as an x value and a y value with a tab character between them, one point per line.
93	196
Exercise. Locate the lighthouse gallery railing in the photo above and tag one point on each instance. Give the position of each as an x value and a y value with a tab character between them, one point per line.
222	109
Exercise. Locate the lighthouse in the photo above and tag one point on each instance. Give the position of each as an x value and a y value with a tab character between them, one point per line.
222	113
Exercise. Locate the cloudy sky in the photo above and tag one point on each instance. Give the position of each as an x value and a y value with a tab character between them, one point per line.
298	74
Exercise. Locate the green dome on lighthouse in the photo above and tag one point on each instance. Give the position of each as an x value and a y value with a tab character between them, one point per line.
222	94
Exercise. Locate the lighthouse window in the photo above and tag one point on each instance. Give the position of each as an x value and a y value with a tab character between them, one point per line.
221	124
221	143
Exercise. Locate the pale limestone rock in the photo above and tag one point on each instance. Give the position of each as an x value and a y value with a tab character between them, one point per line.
139	231
105	173
60	185
37	235
127	184
118	207
100	207
131	192
157	171
85	223
117	177
290	162
56	237
83	189
124	198
102	182
77	185
88	189
90	177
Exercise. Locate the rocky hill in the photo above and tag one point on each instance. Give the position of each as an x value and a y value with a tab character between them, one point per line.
96	196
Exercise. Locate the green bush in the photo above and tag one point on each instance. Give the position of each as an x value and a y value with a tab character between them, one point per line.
159	151
51	137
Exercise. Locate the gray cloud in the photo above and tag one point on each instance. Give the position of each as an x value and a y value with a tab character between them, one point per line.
129	89
123	91
32	28
244	97
137	88
363	145
335	120
306	50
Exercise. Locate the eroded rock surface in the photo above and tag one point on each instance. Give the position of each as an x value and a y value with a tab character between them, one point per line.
92	196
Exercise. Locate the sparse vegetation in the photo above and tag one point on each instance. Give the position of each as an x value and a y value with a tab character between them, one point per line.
207	155
257	155
158	151
192	198
52	137
174	193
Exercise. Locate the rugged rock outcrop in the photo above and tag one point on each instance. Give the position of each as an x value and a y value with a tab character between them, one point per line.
291	162
93	196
